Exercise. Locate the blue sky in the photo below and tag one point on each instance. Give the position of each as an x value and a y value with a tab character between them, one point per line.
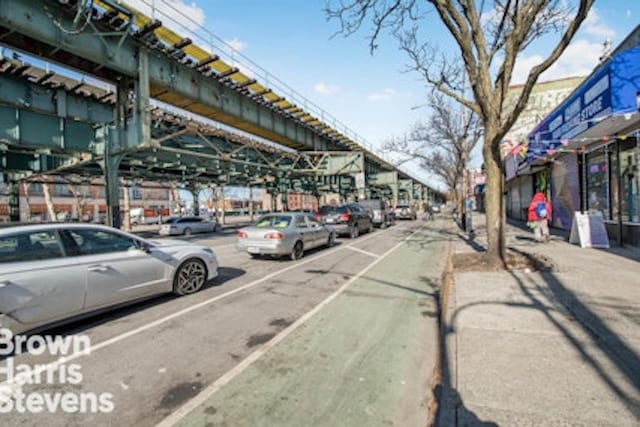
370	94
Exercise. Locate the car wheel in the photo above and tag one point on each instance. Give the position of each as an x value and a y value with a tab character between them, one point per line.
370	227
256	256
354	232
331	240
297	251
189	277
187	231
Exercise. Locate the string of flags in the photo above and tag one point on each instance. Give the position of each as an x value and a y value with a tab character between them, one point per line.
547	148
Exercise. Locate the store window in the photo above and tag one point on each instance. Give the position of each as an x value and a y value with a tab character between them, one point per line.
598	182
629	181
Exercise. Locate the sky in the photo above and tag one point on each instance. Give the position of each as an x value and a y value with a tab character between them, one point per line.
371	94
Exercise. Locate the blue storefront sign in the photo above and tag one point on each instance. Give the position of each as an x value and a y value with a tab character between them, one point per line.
612	90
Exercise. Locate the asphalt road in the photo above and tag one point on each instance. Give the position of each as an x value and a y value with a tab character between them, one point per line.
154	357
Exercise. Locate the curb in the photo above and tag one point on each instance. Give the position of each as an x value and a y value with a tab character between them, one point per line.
437	391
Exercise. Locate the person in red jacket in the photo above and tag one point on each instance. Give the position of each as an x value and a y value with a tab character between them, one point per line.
539	214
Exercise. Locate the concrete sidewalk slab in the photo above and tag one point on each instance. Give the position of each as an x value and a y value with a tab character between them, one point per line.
559	347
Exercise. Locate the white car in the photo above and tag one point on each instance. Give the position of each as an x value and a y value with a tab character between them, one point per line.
187	225
50	273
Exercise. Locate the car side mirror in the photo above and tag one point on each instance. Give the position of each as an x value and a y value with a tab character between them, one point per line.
144	247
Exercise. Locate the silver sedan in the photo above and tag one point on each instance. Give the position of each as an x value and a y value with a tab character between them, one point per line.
284	234
51	273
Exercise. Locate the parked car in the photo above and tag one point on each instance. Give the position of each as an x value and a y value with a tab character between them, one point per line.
286	233
405	211
187	225
350	219
50	273
381	214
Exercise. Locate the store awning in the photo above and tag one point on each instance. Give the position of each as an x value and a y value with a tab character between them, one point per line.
606	105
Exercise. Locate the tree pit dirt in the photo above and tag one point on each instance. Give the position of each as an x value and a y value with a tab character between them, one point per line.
515	260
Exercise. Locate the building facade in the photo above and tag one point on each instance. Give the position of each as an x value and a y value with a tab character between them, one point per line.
585	153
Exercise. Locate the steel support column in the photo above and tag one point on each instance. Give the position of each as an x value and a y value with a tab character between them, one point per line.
193	189
251	203
110	166
14	198
142	110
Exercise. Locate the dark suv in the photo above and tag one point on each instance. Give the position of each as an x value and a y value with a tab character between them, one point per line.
350	219
382	215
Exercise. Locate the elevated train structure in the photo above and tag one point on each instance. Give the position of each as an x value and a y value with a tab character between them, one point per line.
60	124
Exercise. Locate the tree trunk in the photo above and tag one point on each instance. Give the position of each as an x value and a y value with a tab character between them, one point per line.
27	211
46	190
177	203
494	202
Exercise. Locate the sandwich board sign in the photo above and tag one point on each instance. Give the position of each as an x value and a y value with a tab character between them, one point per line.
589	231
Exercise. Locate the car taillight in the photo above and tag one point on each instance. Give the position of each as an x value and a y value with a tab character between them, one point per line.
241	235
274	236
344	217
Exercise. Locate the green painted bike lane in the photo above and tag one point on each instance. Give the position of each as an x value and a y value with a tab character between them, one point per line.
364	359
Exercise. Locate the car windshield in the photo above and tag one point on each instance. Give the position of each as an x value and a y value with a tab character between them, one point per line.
273	221
372	204
326	210
172	220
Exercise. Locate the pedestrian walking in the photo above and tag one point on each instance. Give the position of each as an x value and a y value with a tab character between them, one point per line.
539	215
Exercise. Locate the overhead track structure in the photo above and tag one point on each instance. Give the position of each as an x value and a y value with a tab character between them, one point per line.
52	124
146	60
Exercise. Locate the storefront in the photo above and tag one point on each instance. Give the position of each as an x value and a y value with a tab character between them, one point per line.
590	147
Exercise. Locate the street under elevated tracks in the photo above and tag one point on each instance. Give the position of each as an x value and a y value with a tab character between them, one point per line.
346	335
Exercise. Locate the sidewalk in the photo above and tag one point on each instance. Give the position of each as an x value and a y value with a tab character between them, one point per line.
558	347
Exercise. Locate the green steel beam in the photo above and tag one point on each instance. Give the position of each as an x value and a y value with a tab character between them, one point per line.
406	186
19	93
28	27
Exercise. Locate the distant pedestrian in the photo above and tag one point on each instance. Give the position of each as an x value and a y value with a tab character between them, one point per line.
539	215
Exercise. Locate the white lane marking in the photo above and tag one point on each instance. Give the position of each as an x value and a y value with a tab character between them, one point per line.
362	251
66	359
204	395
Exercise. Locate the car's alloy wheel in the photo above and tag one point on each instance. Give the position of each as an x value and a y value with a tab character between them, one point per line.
190	277
297	251
370	227
187	231
332	240
355	231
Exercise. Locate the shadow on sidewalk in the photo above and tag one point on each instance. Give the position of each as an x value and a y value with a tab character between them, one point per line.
602	337
451	410
553	298
549	298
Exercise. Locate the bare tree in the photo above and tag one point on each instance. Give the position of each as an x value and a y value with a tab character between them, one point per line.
443	143
126	185
26	190
48	200
175	197
489	42
80	194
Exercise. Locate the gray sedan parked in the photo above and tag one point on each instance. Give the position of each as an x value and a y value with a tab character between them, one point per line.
284	234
